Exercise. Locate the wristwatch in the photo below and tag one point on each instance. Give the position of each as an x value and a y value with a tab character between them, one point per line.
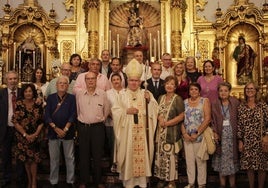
53	126
66	129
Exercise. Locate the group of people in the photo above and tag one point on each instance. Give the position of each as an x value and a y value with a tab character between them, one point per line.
145	115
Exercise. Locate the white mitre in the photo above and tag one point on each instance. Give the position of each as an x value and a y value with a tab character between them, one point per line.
134	69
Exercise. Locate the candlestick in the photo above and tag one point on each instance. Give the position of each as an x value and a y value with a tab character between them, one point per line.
158	45
110	41
117	37
113	48
33	59
19	59
14	60
155	49
150	45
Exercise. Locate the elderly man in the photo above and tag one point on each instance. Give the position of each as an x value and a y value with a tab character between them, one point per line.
167	66
133	137
102	81
60	115
7	102
65	71
92	109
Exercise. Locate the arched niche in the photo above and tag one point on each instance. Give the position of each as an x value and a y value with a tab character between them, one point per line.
251	35
28	22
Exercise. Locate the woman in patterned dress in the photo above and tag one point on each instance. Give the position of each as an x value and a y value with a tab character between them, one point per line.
224	124
252	118
28	122
196	119
168	136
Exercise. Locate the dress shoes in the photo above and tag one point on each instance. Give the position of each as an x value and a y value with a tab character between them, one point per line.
5	183
54	186
70	185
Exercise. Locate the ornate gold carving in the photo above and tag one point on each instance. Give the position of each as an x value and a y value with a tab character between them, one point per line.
93	45
176	44
69	4
89	4
67	49
29	19
242	18
199	6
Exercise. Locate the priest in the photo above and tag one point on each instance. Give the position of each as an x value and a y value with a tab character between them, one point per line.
134	128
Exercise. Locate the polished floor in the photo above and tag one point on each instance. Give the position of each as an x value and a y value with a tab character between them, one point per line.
111	179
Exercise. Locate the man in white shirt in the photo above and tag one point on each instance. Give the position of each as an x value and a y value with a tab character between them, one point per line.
166	66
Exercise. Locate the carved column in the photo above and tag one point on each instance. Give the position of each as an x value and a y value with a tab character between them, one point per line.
92	26
176	27
104	27
165	26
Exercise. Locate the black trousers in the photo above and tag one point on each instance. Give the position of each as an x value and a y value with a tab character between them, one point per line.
91	145
8	143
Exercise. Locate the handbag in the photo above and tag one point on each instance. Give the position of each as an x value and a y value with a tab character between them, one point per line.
209	138
264	138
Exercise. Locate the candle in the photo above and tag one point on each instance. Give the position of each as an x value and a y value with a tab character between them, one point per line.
150	45
19	60
260	54
7	63
33	59
117	38
158	45
113	48
155	49
110	41
100	42
14	61
42	51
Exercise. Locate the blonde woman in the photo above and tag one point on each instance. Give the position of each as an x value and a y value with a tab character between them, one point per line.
183	81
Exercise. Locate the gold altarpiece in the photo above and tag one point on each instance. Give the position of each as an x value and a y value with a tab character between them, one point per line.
174	26
28	38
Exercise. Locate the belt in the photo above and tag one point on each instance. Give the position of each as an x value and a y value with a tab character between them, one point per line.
91	124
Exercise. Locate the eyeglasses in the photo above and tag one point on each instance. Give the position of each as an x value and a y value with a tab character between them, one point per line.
90	78
66	70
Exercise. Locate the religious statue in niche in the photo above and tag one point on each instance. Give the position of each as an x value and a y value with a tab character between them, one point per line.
245	57
135	22
29	57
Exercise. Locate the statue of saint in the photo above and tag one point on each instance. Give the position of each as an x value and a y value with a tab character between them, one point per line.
135	23
244	56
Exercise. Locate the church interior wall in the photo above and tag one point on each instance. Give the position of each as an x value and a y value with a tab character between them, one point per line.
198	33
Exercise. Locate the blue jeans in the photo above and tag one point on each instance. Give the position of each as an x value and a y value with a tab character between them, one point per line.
54	153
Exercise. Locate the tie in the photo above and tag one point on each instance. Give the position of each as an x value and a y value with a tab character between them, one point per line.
155	85
13	99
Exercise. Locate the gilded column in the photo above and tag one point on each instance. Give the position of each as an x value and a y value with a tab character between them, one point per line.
92	26
104	27
165	26
176	27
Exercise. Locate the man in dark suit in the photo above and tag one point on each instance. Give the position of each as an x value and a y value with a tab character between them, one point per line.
7	131
155	83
